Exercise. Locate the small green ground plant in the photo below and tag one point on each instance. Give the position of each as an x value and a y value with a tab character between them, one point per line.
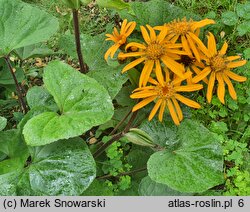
99	98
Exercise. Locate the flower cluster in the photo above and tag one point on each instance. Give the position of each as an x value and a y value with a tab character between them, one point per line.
175	60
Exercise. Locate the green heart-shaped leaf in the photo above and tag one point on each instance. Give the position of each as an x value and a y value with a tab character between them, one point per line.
160	11
149	187
111	78
93	49
38	96
162	134
12	145
11	168
23	25
98	188
113	4
63	168
194	165
82	102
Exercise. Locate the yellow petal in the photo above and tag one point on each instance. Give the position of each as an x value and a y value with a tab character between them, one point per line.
123	27
202	47
143	94
202	23
230	87
197	32
206	71
152	33
130	28
159	28
175	51
212	44
193	48
187	101
134	44
162	35
152	81
231	58
197	71
107	54
178	109
162	109
189	74
133	64
234	76
170	36
146	71
221	88
167	74
155	109
175	67
175	38
109	35
223	49
116	33
145	34
111	51
112	39
132	54
172	112
114	49
174	56
199	64
177	80
158	72
188	88
147	88
143	103
236	64
185	45
174	45
210	87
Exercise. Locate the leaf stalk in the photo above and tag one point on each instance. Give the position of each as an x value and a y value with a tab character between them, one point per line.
117	136
21	101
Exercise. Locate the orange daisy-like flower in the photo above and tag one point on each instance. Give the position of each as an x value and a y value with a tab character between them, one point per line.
165	93
187	32
218	65
119	38
155	50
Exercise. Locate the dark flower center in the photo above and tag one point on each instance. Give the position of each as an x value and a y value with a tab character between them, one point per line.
186	60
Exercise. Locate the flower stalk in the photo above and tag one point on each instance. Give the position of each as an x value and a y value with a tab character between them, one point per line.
83	66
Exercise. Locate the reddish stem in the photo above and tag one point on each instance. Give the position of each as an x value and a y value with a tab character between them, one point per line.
83	66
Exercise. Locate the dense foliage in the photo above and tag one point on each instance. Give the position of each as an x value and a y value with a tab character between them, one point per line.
101	98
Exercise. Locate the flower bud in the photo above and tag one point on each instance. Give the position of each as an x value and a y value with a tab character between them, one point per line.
139	137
